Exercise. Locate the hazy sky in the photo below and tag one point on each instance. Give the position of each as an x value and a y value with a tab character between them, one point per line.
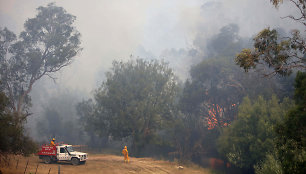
115	29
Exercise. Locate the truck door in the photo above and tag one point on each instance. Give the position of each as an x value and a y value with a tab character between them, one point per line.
63	154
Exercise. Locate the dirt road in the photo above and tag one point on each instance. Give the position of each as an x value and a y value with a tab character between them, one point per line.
106	164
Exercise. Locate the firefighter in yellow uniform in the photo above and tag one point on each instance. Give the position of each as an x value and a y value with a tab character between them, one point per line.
125	154
52	143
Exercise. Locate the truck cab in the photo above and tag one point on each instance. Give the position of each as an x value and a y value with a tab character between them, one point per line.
62	152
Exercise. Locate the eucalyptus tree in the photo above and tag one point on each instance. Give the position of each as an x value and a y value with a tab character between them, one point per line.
274	54
48	43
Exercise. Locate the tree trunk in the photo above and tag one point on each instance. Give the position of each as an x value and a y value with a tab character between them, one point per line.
20	116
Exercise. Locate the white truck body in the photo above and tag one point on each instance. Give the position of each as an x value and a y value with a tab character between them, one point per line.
66	153
63	152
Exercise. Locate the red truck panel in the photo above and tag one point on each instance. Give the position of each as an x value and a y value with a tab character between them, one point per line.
47	150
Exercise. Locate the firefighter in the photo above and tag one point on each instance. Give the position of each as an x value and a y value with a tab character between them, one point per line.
52	143
125	154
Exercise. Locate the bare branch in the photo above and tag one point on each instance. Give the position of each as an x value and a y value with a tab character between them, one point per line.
51	77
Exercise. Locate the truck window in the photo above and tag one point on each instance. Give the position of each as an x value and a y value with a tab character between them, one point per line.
69	149
62	150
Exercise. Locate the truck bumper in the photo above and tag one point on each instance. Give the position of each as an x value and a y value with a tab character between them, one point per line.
83	157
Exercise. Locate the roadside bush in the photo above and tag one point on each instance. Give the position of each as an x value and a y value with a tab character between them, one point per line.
270	165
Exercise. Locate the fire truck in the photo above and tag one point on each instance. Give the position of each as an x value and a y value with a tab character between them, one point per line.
61	152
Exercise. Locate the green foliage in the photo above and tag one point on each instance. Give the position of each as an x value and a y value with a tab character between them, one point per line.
47	44
220	82
213	85
85	110
90	122
250	137
11	133
300	89
191	138
270	165
283	55
217	84
275	54
137	100
291	133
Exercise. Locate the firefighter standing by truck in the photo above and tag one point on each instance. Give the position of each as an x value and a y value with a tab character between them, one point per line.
125	153
52	143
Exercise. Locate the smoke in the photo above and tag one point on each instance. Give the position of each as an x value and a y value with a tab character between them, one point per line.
175	30
116	29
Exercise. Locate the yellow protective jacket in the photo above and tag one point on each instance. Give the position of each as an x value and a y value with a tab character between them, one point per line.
125	152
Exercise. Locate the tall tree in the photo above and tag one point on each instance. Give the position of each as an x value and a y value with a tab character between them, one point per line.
291	133
282	56
47	44
137	100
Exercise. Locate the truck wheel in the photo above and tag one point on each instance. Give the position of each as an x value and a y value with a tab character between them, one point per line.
47	160
75	161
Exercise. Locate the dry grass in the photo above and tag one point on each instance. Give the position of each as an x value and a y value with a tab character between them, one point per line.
97	163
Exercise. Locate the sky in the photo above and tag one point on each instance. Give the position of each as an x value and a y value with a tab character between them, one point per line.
116	29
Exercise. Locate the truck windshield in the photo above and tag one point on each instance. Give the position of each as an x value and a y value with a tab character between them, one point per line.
69	149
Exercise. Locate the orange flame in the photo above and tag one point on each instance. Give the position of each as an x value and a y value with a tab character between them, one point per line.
214	112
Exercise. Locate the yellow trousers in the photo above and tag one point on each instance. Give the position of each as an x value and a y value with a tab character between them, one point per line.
126	158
